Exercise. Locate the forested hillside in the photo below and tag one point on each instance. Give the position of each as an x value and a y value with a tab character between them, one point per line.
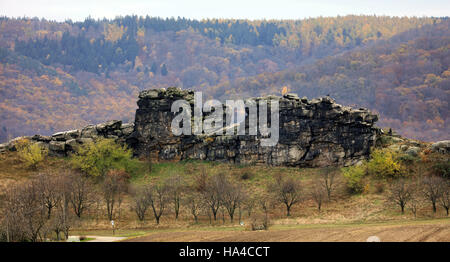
405	79
64	75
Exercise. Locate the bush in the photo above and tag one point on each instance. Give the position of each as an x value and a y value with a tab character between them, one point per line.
354	176
31	153
379	187
246	174
383	164
407	159
98	158
384	141
441	166
260	223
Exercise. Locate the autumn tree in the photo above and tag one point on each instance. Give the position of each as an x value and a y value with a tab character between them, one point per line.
98	158
383	164
31	153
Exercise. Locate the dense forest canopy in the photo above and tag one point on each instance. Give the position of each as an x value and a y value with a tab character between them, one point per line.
63	75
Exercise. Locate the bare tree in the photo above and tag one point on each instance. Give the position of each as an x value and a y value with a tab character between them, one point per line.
232	196
445	195
318	193
176	185
213	192
432	189
114	186
416	201
195	202
249	203
80	192
50	186
328	180
286	191
158	200
401	193
61	221
14	220
265	203
141	200
26	213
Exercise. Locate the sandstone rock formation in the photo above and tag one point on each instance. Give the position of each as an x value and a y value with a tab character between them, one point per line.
313	133
63	143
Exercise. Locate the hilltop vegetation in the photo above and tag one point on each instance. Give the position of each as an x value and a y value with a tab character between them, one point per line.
59	76
402	180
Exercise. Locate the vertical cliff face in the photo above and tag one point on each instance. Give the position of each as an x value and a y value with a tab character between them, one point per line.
312	133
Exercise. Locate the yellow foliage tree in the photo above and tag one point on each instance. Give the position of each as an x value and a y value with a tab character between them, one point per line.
31	153
98	158
384	164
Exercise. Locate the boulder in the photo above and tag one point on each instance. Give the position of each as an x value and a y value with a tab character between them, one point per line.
3	148
89	132
442	147
413	151
57	147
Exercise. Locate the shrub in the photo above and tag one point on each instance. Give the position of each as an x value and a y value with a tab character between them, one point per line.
441	165
384	141
383	164
260	223
246	174
98	158
379	187
354	176
31	153
407	159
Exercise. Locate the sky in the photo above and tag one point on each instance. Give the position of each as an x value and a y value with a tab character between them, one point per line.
78	10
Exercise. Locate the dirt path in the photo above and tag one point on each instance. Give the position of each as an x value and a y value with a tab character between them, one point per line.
358	233
104	238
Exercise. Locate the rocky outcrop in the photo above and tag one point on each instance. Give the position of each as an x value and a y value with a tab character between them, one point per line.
63	143
441	147
313	133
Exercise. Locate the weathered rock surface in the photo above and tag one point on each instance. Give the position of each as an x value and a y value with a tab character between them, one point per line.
441	147
313	133
64	143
